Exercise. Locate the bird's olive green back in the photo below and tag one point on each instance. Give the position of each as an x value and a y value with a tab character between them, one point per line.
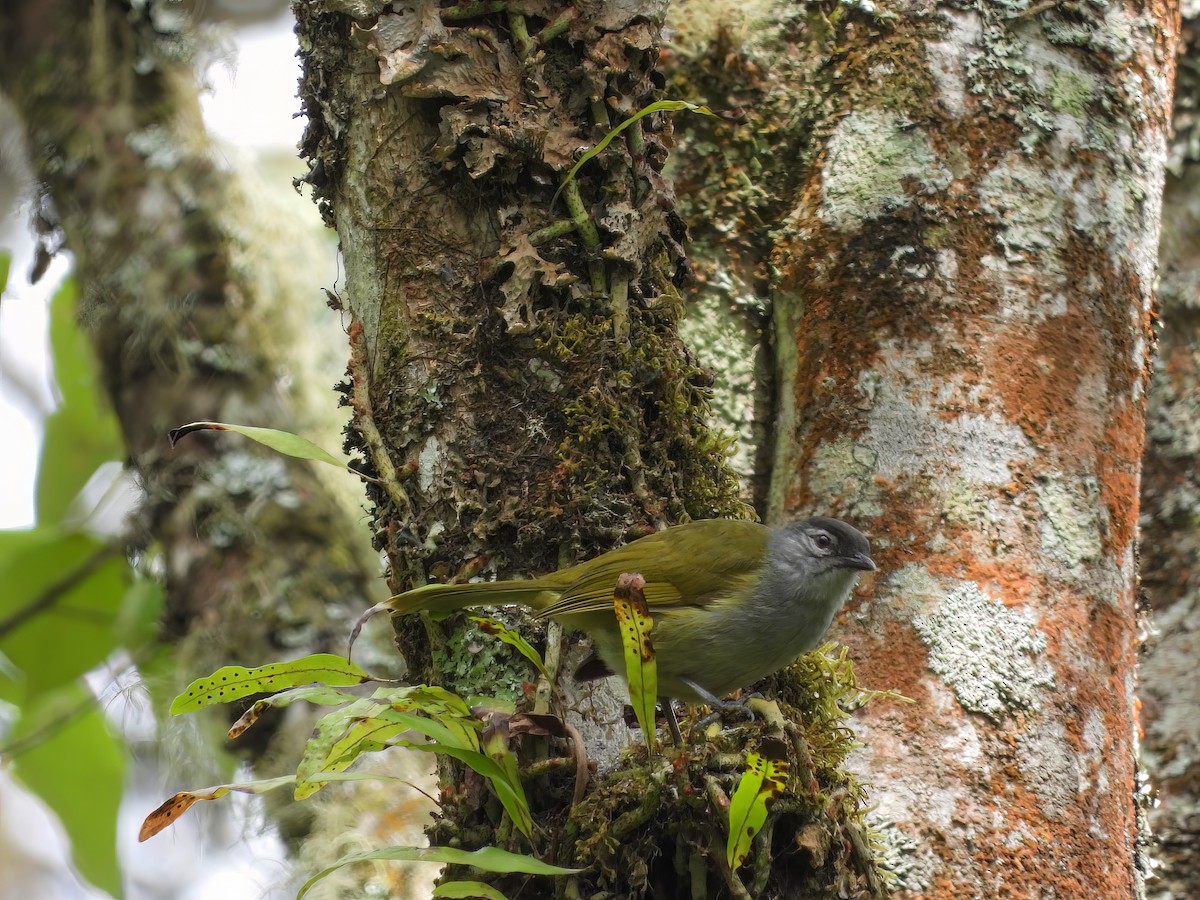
688	565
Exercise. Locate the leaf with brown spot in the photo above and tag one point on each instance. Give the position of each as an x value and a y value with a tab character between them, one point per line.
317	693
760	785
235	682
182	802
641	669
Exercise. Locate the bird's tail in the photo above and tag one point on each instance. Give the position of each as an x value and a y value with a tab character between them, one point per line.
449	597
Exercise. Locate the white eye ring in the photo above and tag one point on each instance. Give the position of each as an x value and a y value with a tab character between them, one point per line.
823	541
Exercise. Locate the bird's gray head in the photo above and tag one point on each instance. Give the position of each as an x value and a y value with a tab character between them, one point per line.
813	547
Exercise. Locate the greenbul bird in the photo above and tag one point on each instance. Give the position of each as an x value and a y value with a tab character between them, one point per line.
732	601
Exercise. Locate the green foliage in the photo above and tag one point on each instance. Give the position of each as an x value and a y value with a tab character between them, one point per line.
513	638
489	859
64	752
467	889
363	725
82	434
281	441
70	601
58	610
234	682
657	106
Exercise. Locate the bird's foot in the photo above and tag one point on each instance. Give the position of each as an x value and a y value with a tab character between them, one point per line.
720	708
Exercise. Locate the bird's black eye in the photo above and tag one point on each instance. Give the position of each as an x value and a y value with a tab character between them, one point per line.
823	541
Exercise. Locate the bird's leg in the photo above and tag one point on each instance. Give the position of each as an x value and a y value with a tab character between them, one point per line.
719	706
672	722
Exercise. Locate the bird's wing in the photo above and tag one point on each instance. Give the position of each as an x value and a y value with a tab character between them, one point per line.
706	571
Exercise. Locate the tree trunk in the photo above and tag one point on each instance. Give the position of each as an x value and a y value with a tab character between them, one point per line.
521	391
966	277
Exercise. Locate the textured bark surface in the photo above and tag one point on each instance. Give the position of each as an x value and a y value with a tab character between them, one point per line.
190	321
966	275
520	389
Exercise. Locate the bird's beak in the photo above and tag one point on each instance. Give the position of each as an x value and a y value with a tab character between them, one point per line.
860	561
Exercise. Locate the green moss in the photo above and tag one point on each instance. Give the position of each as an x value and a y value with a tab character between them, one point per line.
627	834
1070	93
469	656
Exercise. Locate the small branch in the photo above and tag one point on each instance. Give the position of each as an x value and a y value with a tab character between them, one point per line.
588	233
600	113
556	27
620	306
520	33
635	140
1035	9
550	232
472	10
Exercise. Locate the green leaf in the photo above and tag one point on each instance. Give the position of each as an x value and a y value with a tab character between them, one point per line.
65	754
282	441
657	106
513	639
489	859
320	694
234	682
463	890
761	783
641	669
509	791
140	614
368	724
61	595
182	801
82	433
5	261
367	735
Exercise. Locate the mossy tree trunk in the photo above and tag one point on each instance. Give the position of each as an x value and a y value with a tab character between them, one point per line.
520	390
957	231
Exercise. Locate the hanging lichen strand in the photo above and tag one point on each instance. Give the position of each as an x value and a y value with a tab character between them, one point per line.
518	350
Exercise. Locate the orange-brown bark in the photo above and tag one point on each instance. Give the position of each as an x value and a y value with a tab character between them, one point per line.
966	274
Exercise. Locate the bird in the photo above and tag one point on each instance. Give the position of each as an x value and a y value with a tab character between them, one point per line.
732	600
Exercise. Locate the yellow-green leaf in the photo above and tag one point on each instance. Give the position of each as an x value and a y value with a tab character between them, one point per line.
489	859
283	441
761	783
370	723
234	682
465	890
641	670
363	736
